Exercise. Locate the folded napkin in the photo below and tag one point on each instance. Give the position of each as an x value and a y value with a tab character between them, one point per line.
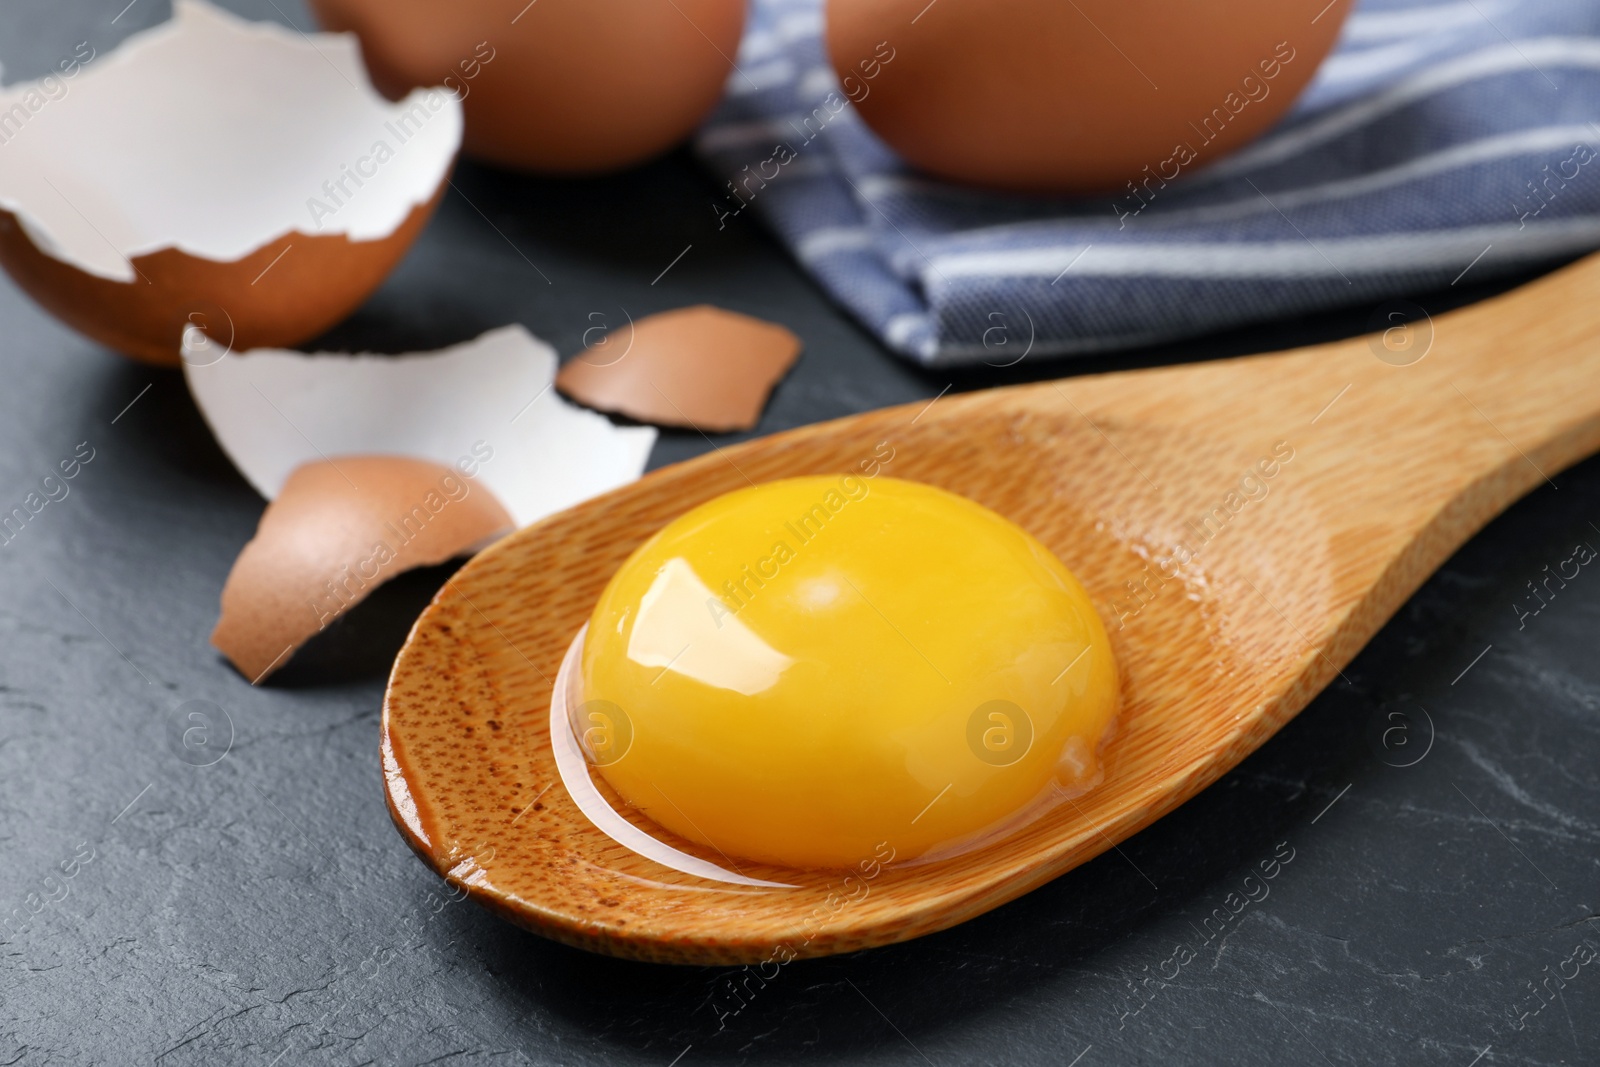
1440	138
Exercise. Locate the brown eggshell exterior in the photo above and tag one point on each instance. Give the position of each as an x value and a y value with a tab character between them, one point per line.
318	282
323	528
700	367
1038	96
574	86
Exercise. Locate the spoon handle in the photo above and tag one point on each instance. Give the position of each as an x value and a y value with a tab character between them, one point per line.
1405	443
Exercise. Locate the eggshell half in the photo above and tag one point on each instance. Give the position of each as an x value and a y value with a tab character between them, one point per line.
1076	97
214	174
561	86
700	367
338	530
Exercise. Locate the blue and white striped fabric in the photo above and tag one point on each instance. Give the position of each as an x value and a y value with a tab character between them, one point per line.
1420	149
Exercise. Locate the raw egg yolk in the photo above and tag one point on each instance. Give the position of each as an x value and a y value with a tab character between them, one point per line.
803	672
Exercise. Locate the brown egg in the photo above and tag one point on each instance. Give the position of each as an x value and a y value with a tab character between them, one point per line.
1074	97
561	86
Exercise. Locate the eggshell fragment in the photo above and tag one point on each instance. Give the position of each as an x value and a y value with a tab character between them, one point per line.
337	530
489	401
700	367
564	86
212	173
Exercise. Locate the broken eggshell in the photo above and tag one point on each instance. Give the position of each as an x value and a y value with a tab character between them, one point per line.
477	422
337	530
700	367
273	411
215	180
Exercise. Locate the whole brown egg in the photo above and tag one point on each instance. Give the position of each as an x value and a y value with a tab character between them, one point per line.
1074	96
559	86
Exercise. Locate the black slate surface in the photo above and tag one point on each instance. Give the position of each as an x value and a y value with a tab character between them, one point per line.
1432	827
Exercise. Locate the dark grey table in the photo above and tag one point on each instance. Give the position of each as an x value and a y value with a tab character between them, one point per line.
262	910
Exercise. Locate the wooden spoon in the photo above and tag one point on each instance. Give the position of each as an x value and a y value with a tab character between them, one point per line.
1378	473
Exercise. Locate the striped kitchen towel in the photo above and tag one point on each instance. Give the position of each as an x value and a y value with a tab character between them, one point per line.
1440	138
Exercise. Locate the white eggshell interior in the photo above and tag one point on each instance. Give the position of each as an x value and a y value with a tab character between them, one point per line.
215	135
273	410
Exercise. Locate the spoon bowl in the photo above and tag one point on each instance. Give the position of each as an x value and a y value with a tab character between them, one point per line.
1244	527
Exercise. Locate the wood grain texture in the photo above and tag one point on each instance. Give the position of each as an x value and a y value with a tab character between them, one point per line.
1392	468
